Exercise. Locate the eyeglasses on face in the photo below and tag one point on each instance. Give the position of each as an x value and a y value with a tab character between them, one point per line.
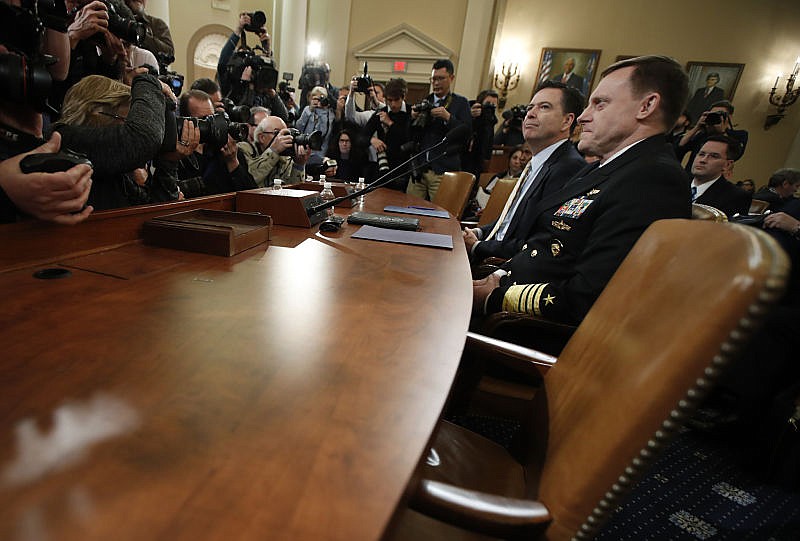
439	78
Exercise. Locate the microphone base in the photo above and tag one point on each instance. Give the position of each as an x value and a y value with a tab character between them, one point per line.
286	207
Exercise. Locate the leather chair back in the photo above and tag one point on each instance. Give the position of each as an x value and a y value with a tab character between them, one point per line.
707	212
497	200
758	206
454	191
680	305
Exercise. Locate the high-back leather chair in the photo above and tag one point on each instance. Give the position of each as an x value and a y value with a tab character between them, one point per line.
758	206
681	305
497	200
708	213
454	190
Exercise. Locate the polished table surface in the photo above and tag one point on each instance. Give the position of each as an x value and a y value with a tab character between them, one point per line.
287	392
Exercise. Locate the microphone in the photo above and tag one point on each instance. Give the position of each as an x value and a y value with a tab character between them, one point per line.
456	138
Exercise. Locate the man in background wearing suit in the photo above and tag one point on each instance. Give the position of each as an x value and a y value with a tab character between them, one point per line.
569	77
585	230
552	114
709	186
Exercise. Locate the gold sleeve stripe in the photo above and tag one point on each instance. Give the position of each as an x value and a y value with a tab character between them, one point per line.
524	298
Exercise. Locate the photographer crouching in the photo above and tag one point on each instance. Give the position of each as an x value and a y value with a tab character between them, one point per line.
277	152
214	163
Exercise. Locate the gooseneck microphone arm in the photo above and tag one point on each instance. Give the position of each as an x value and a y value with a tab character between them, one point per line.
457	134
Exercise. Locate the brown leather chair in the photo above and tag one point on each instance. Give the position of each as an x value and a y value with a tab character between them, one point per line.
484	179
670	319
708	213
454	190
497	200
758	206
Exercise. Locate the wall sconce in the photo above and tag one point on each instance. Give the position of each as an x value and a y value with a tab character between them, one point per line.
783	102
506	80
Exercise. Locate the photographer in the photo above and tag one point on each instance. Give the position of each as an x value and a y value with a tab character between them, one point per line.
714	122
317	116
314	75
483	121
212	167
120	129
391	126
432	120
510	132
274	154
158	39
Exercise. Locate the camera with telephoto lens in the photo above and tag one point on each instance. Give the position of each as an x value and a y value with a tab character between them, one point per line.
487	112
364	82
515	115
236	113
173	79
263	73
214	129
257	21
311	140
383	163
129	30
715	118
23	70
423	109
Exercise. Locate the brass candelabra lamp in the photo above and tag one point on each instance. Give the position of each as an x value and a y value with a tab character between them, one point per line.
505	81
785	101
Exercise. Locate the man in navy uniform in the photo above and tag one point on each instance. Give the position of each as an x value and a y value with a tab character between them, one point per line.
585	230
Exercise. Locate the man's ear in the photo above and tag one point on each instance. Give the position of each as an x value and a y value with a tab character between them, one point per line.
648	105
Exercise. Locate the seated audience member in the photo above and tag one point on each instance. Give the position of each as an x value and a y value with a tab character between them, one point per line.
716	121
317	116
780	189
389	129
211	167
351	163
273	155
158	38
709	185
120	129
583	231
551	115
517	161
747	185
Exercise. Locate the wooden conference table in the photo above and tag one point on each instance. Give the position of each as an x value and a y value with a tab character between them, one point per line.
287	392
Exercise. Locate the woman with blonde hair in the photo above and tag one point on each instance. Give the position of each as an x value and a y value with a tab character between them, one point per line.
120	129
317	116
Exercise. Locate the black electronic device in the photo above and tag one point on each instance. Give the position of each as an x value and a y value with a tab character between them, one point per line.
52	162
384	220
332	224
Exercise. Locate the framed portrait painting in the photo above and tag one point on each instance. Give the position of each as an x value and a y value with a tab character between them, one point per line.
710	82
574	67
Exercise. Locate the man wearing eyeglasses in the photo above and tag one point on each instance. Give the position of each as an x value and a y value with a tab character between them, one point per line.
709	185
448	111
274	154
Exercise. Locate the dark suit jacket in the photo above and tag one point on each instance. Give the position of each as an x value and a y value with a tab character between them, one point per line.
726	197
458	107
556	171
573	81
585	230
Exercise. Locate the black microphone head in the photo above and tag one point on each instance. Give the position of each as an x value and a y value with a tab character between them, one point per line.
458	135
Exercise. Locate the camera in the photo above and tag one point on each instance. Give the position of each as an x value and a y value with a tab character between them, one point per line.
423	109
488	112
313	75
715	118
236	113
383	163
324	101
264	75
311	140
129	30
173	79
214	129
257	21
52	162
364	83
515	115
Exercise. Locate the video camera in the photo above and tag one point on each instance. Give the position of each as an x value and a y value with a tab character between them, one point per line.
515	115
311	140
26	79
264	74
214	129
173	79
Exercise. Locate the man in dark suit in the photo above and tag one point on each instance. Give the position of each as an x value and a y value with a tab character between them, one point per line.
782	186
549	122
705	97
569	77
585	230
449	110
709	186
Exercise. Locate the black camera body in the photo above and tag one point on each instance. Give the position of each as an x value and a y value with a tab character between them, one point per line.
236	113
129	30
715	118
488	113
311	140
263	72
214	129
423	110
257	21
364	82
515	115
52	162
